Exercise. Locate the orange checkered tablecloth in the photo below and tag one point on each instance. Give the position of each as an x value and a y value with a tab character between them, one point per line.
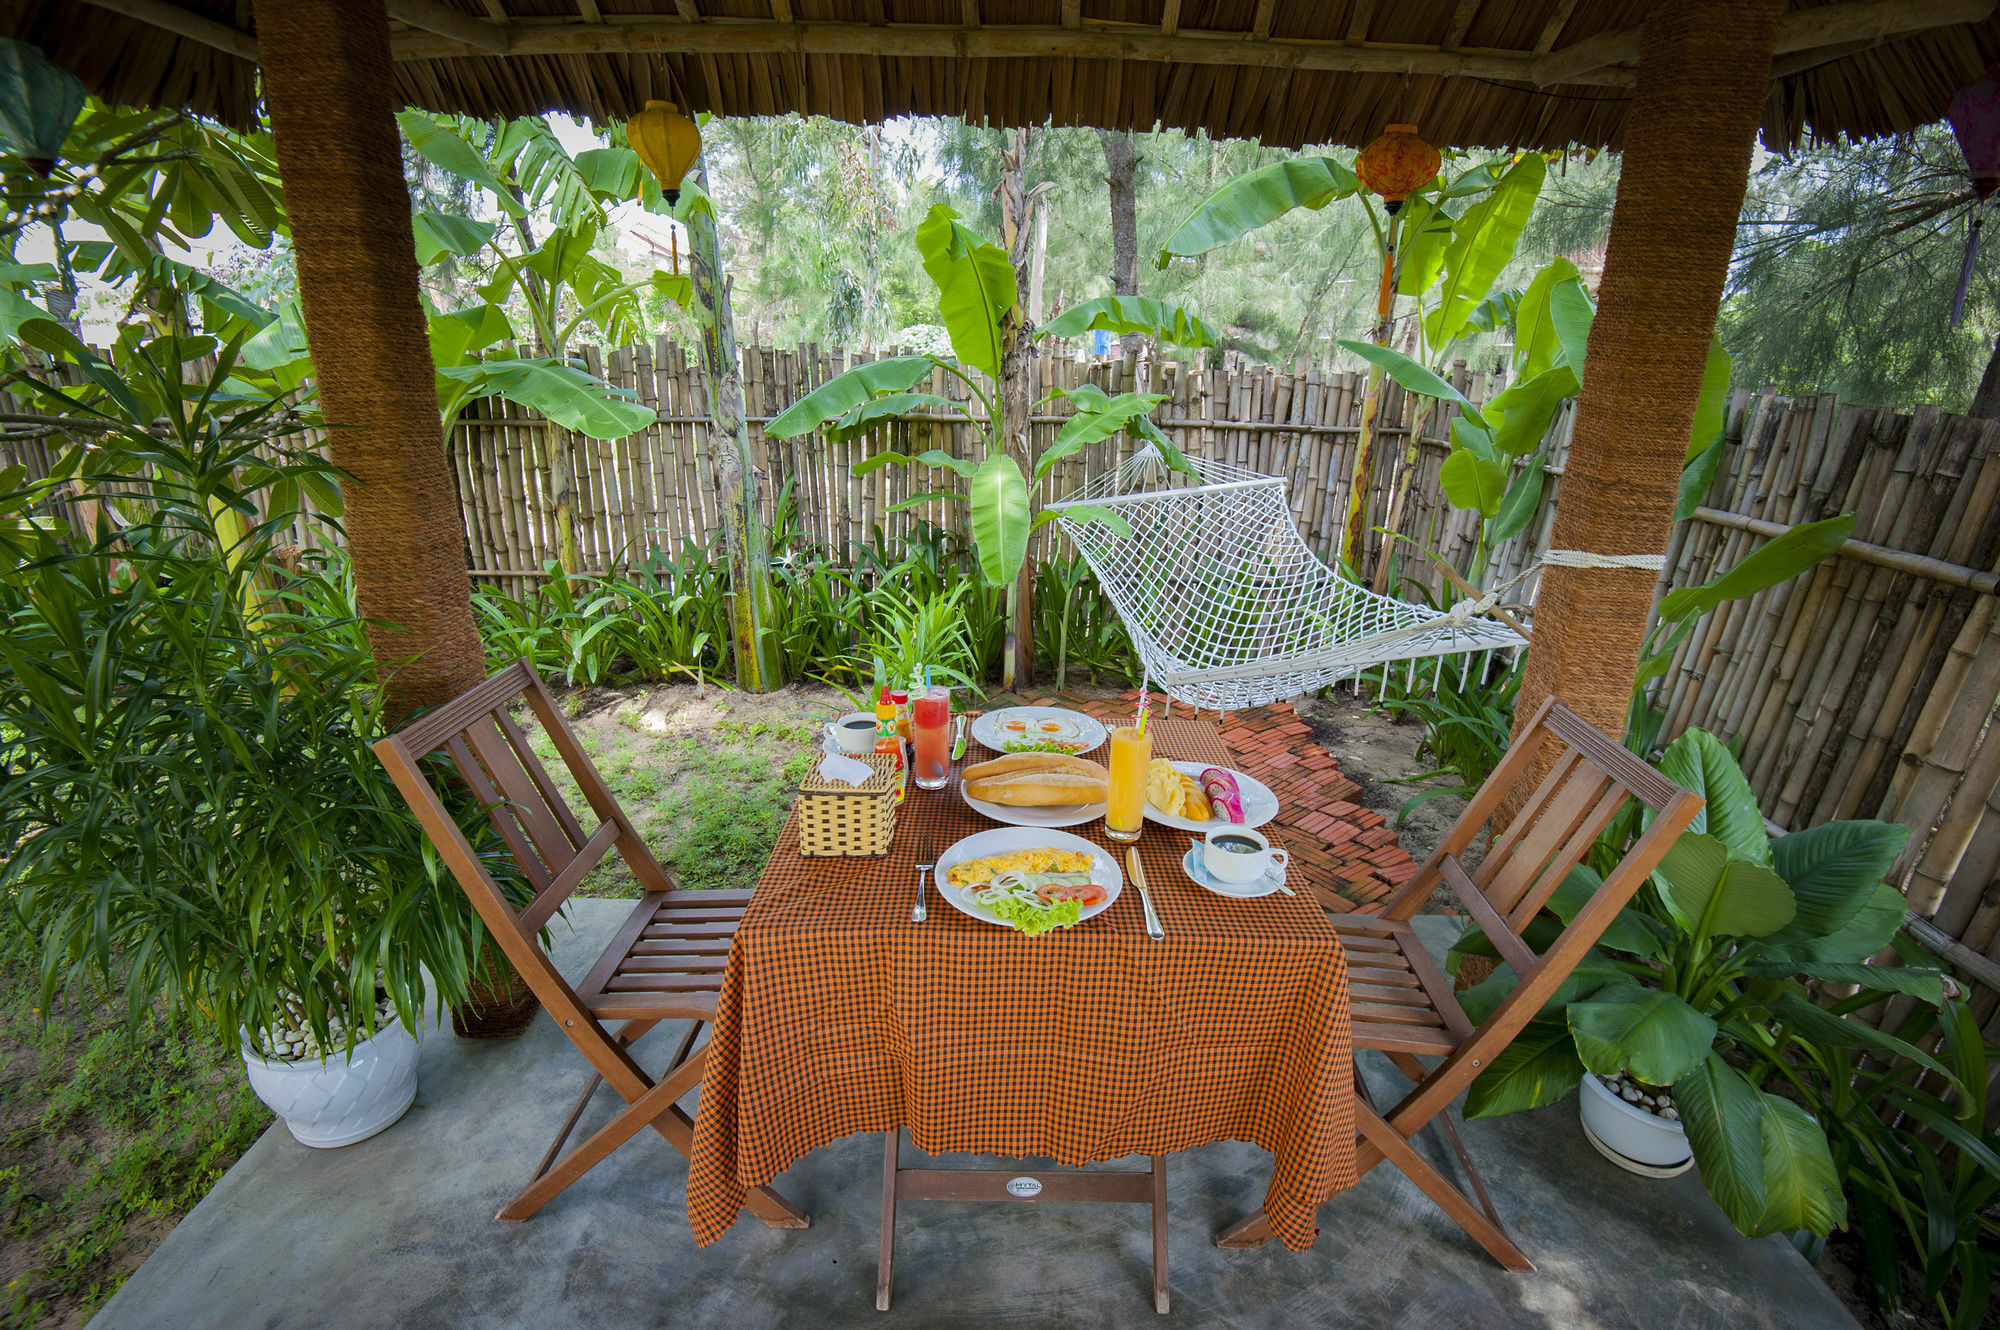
838	1015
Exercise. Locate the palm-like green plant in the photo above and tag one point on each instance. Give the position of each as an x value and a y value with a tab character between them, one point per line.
976	298
193	811
1701	985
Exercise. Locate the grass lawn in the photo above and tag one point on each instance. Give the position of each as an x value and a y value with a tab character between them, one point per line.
109	1138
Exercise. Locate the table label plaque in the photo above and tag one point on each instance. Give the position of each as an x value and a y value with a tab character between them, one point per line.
1025	1188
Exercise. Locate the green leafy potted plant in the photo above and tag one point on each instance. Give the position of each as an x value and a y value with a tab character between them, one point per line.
194	815
1699	990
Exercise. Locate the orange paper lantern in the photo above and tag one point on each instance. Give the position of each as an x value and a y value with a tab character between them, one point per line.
667	142
1397	163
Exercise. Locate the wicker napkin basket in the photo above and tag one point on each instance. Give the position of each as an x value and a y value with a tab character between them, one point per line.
838	820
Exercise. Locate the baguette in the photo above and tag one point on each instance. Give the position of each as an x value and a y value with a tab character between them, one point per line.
1038	780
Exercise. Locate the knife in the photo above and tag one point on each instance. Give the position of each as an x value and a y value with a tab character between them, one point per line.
1154	930
958	737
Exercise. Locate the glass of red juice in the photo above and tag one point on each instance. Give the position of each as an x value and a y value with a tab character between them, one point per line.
930	722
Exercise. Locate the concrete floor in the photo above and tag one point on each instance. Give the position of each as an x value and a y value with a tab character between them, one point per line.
398	1231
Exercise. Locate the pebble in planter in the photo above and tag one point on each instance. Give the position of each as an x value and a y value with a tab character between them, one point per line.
326	1097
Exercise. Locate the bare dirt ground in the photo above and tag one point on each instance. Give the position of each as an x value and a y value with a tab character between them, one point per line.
1372	747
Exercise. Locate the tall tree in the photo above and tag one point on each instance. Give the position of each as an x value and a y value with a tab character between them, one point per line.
1121	177
1846	257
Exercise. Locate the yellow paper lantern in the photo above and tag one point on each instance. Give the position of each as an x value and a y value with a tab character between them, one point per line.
1397	163
667	142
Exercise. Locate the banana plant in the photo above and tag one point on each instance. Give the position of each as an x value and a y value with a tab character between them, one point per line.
1714	958
976	292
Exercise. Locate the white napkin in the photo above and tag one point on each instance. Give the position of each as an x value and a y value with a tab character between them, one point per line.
837	766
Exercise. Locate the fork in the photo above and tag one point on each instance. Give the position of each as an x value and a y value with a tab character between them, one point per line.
928	861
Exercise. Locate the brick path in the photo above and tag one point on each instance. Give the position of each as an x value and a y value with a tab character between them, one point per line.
1343	849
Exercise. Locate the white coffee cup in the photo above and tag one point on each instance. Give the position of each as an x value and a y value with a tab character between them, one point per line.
1240	855
854	733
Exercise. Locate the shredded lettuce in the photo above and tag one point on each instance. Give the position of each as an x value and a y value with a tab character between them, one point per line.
1013	899
1033	917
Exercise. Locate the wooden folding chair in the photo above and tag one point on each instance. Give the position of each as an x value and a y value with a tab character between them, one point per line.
1403	1005
665	962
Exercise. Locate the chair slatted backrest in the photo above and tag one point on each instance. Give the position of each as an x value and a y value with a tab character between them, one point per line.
1589	782
546	840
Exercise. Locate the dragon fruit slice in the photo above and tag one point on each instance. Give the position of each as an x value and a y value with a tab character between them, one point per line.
1220	787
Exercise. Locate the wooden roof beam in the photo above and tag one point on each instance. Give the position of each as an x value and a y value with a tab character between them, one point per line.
453	23
719	36
1865	21
194	27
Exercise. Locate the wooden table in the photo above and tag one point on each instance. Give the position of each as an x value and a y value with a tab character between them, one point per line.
840	1015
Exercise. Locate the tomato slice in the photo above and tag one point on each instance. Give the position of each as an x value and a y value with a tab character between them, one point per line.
1083	893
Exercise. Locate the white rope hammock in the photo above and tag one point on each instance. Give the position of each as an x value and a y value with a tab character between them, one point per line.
1226	605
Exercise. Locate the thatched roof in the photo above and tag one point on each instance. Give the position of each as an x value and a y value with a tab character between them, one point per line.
1491	73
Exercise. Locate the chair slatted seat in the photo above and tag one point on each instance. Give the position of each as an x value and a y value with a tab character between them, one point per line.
1403	1004
665	962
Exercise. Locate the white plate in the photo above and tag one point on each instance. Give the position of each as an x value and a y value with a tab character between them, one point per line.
1000	840
1191	865
1070	726
1040	815
1259	804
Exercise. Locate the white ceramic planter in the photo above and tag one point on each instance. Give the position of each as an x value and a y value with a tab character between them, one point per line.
339	1102
1630	1137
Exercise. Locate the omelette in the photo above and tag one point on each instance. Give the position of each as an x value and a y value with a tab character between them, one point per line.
1042	860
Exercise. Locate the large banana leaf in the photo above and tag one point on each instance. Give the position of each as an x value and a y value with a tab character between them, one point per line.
1697	761
1918	983
1655	1035
1423	235
976	287
1416	377
837	396
1539	1067
1571	314
1713	406
463	333
999	518
1713	895
872	413
1782	558
1724	1117
1536	346
1098	416
1482	245
445	149
1522	411
1866	933
1819	1024
563	393
1257	199
1524	496
1473	483
1130	314
1801	1184
1833	870
442	233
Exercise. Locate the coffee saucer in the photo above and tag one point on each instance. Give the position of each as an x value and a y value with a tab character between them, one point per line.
1191	864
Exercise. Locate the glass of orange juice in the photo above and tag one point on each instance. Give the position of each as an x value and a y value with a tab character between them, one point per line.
1125	812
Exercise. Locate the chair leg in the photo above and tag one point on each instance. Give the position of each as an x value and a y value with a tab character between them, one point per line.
885	1261
1396	1149
635	1116
626	1037
1162	1301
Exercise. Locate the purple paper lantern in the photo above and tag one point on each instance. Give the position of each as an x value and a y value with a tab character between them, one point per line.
1974	114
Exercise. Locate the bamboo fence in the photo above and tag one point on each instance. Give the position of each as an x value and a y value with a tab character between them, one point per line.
1865	688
